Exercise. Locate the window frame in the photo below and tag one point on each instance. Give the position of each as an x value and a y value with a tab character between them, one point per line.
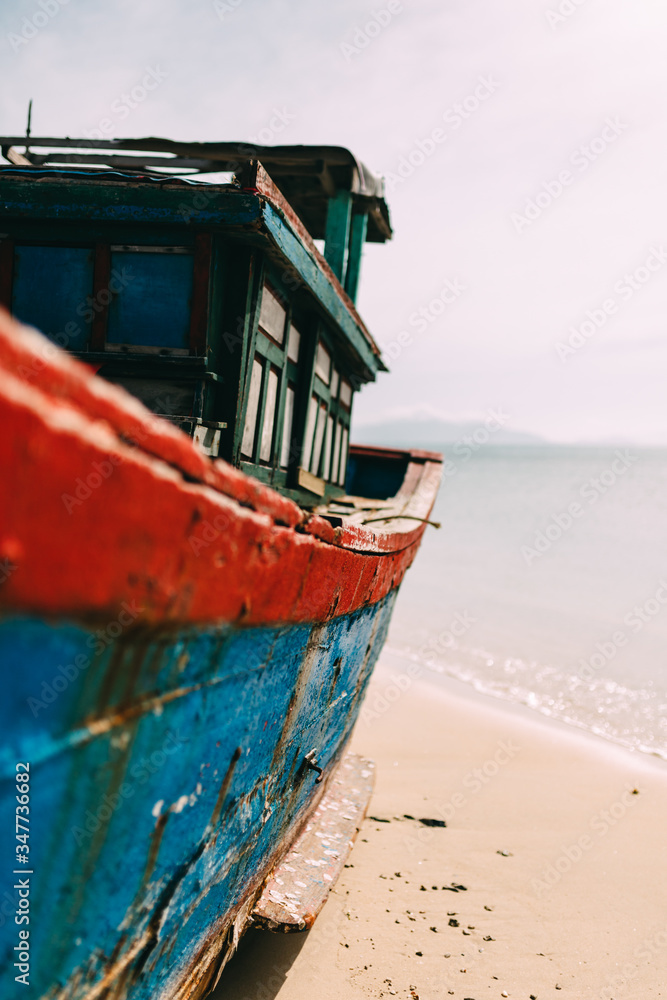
327	398
200	249
272	355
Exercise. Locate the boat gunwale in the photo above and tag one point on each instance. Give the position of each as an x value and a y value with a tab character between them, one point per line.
75	414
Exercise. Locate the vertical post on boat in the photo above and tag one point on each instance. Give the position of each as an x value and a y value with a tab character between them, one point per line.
358	229
337	233
27	128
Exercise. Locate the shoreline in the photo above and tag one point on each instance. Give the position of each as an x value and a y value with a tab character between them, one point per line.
449	684
559	857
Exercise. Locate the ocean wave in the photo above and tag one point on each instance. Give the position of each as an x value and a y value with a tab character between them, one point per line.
635	718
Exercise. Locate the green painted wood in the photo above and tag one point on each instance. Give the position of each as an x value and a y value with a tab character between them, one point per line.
89	204
358	228
99	232
250	331
320	286
270	350
337	232
127	203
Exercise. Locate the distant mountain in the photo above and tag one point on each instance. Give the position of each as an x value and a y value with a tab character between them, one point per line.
433	432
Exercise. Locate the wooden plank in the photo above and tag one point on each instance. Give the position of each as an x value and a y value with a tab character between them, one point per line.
101	296
18	159
358	230
310	482
200	294
339	212
299	887
121	202
6	273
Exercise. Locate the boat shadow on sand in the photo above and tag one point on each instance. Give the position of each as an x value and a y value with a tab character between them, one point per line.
260	967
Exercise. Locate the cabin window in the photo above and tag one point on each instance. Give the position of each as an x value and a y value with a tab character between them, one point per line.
319	437
272	316
288	422
265	449
51	291
343	457
323	363
150	309
336	453
293	344
295	383
119	298
327	425
248	443
272	393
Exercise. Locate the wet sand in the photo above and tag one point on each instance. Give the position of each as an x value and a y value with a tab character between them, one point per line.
559	839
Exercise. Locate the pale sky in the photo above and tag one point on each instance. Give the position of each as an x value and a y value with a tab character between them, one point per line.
521	94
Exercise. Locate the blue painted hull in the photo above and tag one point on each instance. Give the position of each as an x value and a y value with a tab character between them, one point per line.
166	776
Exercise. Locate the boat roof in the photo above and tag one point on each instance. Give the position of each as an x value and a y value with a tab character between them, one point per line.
308	176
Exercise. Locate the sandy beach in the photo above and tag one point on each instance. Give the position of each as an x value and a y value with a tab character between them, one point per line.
557	837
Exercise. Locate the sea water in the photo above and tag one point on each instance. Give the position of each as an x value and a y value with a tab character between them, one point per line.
547	585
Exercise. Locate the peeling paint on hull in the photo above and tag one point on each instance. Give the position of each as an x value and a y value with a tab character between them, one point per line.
169	779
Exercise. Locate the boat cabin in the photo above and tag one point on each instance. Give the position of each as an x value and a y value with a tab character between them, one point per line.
189	274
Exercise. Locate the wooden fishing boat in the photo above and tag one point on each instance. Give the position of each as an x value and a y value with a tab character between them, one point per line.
196	571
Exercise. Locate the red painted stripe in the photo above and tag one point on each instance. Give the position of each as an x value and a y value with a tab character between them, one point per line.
89	521
416	454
